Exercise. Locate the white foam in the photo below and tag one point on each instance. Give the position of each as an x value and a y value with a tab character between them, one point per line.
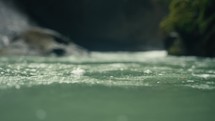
78	72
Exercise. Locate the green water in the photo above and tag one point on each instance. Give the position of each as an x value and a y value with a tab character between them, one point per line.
143	86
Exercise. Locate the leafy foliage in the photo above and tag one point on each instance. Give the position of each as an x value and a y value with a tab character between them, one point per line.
194	22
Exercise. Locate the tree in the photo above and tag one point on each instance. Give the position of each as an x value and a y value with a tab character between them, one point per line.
193	21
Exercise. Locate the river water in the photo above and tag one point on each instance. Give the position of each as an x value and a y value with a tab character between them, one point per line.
114	86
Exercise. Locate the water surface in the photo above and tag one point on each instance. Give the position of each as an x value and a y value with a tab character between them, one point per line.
141	86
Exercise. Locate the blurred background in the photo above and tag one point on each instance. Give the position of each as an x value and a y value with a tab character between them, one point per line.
182	27
102	25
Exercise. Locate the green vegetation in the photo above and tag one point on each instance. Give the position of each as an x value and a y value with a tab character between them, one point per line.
193	21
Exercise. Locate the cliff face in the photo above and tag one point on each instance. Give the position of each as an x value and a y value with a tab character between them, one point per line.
102	24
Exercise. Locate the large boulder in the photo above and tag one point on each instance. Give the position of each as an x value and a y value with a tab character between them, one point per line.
19	35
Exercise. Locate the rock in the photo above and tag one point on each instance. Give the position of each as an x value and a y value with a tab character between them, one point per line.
21	36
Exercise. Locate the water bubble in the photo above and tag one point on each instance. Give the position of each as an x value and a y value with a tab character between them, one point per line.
41	114
190	81
122	118
147	71
17	86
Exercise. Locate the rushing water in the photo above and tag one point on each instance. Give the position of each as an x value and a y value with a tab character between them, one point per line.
141	86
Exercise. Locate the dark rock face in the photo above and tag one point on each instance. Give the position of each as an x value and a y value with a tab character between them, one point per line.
101	24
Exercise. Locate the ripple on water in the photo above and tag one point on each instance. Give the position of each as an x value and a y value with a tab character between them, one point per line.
137	69
201	86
